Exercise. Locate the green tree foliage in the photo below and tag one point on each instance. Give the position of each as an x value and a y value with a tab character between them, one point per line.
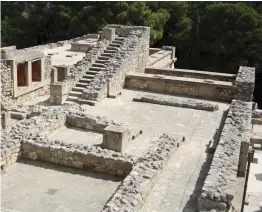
212	36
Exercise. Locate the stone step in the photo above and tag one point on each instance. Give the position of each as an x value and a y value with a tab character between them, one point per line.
80	89
91	72
101	61
81	84
88	76
109	51
103	58
117	42
120	38
72	98
112	48
87	102
84	80
115	45
75	93
107	55
97	69
98	65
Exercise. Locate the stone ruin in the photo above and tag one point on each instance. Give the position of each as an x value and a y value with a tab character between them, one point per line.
82	73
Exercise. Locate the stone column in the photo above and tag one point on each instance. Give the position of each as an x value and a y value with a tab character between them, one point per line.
108	34
5	119
28	73
115	137
42	68
54	76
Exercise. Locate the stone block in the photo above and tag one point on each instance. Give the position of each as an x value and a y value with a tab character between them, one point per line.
115	137
108	34
8	53
5	119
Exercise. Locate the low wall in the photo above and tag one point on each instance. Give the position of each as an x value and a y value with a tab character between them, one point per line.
215	90
132	192
192	104
192	74
90	122
229	159
77	156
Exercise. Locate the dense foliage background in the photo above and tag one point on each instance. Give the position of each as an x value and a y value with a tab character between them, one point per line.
211	36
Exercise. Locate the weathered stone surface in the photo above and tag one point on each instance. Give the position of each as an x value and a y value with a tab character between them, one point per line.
218	190
171	101
77	156
133	191
245	83
116	137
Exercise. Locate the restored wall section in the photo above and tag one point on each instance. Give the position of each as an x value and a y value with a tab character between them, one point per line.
229	159
192	74
215	90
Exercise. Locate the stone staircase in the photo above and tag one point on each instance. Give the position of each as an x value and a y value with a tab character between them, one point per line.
98	66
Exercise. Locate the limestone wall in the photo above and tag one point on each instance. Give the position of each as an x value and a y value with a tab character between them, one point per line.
245	83
90	122
215	90
192	74
229	159
7	87
77	156
133	191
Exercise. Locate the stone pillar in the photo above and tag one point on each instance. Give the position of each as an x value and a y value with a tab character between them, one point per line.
42	68
108	34
5	119
115	137
54	76
28	73
58	93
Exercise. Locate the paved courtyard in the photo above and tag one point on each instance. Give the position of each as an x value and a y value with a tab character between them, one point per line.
30	186
157	119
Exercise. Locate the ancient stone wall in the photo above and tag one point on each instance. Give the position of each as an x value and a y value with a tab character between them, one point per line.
245	83
90	122
7	87
192	74
229	159
215	90
77	156
131	194
187	103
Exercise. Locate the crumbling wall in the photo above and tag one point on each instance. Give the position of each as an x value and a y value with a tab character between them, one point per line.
77	156
229	159
7	86
133	191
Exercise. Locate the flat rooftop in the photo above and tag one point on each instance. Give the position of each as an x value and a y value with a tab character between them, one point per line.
63	56
30	186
